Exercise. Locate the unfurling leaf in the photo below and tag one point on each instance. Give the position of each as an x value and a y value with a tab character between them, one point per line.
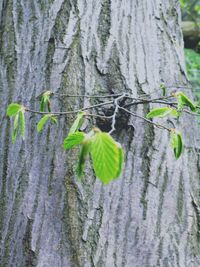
15	128
17	111
42	122
53	119
15	125
85	149
22	123
14	135
183	100
74	139
163	87
159	112
42	106
174	113
176	143
107	157
45	101
13	109
77	123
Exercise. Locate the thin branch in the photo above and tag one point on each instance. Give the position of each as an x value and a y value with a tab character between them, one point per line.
191	113
88	96
180	86
159	100
147	120
99	116
115	113
68	112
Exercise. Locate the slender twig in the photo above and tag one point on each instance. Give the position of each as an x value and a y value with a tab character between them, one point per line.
167	87
179	86
118	94
68	112
88	96
115	113
145	119
99	116
159	100
191	113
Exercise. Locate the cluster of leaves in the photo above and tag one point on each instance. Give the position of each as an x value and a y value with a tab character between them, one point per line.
106	154
175	135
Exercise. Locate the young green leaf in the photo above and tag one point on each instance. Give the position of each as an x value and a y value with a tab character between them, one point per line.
13	109
42	106
106	156
22	123
174	113
74	139
45	101
163	87
53	119
49	105
85	149
183	100
159	112
42	122
15	128
48	93
14	135
77	123
16	119
176	143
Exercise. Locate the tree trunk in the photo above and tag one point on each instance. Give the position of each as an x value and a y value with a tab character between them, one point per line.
150	216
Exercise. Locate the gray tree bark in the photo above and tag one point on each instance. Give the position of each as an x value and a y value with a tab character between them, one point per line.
151	215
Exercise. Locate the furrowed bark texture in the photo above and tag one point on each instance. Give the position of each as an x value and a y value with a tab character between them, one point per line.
151	215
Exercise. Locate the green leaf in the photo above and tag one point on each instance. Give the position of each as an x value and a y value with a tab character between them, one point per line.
48	93
85	149
163	87
106	156
15	128
159	112
45	101
176	143
54	119
42	122
13	109
42	106
183	100
14	135
49	105
22	123
174	113
16	119
74	139
77	123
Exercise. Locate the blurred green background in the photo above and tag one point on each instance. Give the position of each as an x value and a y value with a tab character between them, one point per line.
191	32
